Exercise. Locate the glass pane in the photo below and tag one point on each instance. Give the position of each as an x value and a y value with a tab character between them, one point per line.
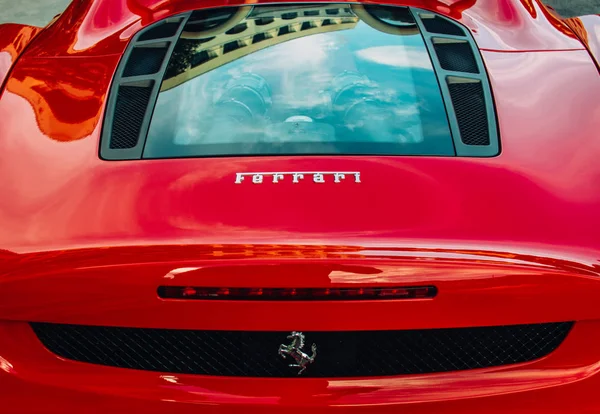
299	79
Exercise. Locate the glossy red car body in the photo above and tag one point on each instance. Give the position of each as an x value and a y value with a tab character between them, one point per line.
508	240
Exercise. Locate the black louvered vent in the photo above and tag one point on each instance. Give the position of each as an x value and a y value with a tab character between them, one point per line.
130	108
456	56
462	76
135	88
339	354
160	32
145	61
441	26
471	113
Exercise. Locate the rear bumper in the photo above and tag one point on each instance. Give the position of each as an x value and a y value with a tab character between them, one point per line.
33	380
475	289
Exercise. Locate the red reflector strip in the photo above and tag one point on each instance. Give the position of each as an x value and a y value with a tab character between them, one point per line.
297	294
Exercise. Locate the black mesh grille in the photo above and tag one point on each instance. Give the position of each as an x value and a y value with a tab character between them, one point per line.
441	26
339	354
471	114
161	31
144	61
456	57
130	109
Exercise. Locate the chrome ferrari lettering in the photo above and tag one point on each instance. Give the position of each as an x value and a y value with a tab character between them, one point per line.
319	177
294	350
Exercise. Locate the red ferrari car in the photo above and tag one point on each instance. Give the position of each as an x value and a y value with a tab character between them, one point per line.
214	206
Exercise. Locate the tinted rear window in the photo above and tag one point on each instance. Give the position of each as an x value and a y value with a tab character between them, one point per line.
290	79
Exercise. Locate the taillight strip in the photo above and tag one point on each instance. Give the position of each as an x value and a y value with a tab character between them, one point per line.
297	294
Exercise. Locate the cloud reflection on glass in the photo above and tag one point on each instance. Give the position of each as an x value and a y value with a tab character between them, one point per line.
348	90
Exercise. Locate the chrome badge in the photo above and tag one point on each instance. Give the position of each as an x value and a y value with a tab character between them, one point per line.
294	350
296	177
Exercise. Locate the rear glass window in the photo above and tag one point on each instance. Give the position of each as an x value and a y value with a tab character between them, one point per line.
299	79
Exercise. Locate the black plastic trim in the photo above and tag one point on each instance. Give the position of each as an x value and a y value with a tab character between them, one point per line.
120	79
447	76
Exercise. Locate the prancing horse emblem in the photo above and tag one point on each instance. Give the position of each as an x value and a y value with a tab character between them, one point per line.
295	351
